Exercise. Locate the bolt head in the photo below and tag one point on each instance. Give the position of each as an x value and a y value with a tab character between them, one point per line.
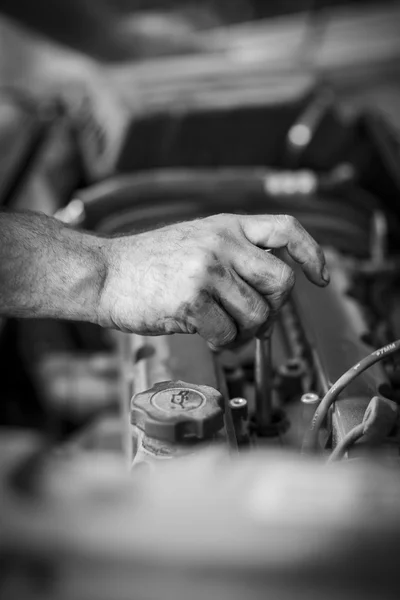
238	402
310	398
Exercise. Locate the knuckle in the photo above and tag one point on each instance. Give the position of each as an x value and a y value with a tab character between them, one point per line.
197	298
223	223
222	217
206	267
287	278
197	264
216	221
225	335
291	222
215	240
258	314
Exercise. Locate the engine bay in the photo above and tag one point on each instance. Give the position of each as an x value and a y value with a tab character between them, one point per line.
163	466
319	334
317	337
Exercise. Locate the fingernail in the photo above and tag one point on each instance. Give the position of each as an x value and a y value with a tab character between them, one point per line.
325	274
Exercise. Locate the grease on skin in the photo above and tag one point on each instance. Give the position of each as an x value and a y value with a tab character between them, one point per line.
199	307
274	292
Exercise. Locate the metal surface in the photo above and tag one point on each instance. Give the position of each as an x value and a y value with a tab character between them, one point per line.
238	402
309	401
239	410
334	328
263	375
263	382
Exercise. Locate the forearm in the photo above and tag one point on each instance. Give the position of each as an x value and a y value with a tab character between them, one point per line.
89	27
48	270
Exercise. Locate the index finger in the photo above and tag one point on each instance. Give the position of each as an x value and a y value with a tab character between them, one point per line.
284	231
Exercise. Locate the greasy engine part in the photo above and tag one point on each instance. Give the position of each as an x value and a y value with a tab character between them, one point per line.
335	331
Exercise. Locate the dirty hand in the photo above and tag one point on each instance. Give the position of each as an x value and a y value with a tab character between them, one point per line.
211	276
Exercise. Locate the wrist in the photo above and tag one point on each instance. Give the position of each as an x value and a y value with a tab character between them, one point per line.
117	305
106	254
81	275
92	274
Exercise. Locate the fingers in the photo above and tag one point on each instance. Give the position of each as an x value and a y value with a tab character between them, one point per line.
240	283
211	321
232	309
284	231
266	273
247	308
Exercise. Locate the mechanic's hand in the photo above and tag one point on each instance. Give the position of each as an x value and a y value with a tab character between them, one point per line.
211	276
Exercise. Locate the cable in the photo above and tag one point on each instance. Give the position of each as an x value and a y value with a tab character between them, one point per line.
378	423
349	439
311	438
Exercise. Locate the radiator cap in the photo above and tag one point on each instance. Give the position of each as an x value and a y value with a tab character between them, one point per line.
175	411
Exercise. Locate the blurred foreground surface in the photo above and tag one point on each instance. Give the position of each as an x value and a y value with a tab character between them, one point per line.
265	525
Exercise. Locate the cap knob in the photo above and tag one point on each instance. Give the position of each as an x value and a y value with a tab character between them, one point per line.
174	411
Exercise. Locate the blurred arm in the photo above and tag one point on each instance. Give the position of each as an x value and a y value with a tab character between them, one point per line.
90	26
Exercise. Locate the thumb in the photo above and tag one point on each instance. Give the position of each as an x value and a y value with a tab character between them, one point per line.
284	231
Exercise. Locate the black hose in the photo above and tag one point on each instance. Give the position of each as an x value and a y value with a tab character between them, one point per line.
147	200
